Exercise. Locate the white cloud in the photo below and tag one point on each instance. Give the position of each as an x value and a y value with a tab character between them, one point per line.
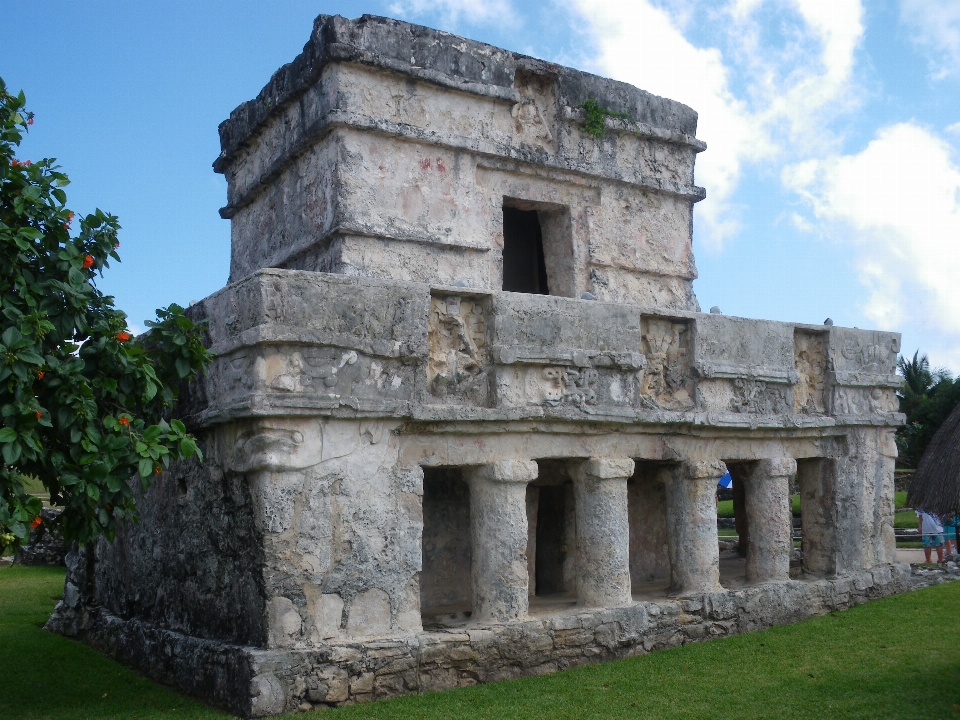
453	11
935	28
787	91
953	129
641	44
898	203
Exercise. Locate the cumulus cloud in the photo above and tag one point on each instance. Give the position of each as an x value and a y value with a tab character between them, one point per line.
898	202
642	45
935	27
452	12
757	98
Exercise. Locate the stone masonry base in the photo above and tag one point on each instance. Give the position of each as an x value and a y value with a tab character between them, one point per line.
257	683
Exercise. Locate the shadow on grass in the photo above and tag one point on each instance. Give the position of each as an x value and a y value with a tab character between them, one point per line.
892	658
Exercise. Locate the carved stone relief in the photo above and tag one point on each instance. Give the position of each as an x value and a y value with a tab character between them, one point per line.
291	373
864	401
534	115
867	352
667	381
586	388
810	356
232	375
456	336
570	386
761	398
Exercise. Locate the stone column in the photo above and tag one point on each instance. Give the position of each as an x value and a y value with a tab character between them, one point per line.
498	526
771	524
816	478
603	532
692	527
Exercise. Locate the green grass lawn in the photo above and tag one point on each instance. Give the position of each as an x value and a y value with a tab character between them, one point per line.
892	658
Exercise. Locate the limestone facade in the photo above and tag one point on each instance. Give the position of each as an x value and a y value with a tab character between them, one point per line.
415	479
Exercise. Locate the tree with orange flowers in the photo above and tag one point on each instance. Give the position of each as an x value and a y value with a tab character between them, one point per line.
84	406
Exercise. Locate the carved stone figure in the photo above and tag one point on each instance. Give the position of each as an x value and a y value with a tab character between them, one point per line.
811	362
667	381
455	336
756	396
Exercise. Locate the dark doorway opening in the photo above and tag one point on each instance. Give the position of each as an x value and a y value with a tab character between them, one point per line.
524	269
553	544
445	585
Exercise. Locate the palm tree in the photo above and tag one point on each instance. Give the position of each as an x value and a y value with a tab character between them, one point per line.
916	375
926	398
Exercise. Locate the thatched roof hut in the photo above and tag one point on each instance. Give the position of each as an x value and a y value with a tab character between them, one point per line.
936	483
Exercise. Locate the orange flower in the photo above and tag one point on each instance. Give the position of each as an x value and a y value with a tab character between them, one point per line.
39	414
40	374
30	121
124	421
123	336
37	521
157	469
87	260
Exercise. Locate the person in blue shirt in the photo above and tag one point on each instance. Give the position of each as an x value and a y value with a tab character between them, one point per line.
950	532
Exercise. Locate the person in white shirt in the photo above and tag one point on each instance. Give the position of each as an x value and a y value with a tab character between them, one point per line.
932	531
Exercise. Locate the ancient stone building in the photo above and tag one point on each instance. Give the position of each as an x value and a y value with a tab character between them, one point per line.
466	419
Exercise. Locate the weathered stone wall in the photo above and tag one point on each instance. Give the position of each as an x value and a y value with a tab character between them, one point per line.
193	564
421	197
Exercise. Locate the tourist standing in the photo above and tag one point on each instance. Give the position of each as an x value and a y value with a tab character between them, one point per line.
932	532
951	533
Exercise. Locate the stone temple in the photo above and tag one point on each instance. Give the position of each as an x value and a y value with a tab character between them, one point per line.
466	419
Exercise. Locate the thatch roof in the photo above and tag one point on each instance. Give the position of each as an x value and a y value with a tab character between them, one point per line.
936	483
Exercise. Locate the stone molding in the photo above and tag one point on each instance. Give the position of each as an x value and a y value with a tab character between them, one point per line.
280	356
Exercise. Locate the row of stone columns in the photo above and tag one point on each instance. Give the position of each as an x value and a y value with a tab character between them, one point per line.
499	569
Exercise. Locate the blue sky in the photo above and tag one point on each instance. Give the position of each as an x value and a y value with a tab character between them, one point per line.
832	174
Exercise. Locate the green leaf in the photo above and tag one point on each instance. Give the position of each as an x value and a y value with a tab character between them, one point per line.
7	435
30	357
11	452
146	467
11	336
187	447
